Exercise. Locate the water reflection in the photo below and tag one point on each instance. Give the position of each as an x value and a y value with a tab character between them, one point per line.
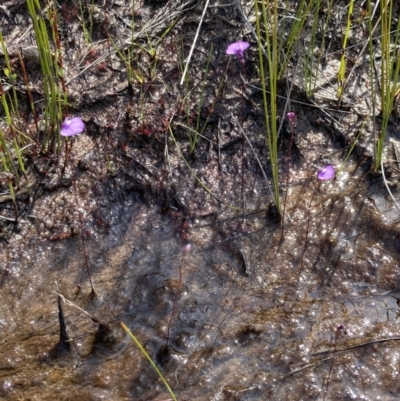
230	318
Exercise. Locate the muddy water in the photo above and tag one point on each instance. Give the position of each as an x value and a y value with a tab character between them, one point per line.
248	316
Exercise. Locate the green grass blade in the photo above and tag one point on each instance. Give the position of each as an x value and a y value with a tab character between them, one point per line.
147	356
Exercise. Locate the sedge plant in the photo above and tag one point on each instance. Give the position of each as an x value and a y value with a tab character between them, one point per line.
389	71
295	25
269	17
87	33
311	61
11	111
53	99
6	163
8	151
342	67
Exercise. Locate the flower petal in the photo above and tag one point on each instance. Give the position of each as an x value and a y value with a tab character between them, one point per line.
326	173
237	48
243	45
291	116
232	49
72	126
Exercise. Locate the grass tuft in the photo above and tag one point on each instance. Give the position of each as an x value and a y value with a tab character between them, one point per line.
50	74
389	71
269	15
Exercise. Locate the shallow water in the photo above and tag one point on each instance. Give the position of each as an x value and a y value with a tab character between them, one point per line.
249	316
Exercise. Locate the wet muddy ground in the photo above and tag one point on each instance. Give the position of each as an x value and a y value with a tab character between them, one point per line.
230	304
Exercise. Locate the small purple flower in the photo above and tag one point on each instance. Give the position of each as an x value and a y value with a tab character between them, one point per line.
291	116
237	49
326	173
186	249
72	126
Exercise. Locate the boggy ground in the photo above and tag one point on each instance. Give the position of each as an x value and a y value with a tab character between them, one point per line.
244	313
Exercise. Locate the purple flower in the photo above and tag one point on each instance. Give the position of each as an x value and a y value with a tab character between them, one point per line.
237	49
291	116
186	249
72	126
326	173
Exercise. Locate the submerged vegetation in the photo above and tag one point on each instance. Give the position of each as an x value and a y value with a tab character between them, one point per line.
238	122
